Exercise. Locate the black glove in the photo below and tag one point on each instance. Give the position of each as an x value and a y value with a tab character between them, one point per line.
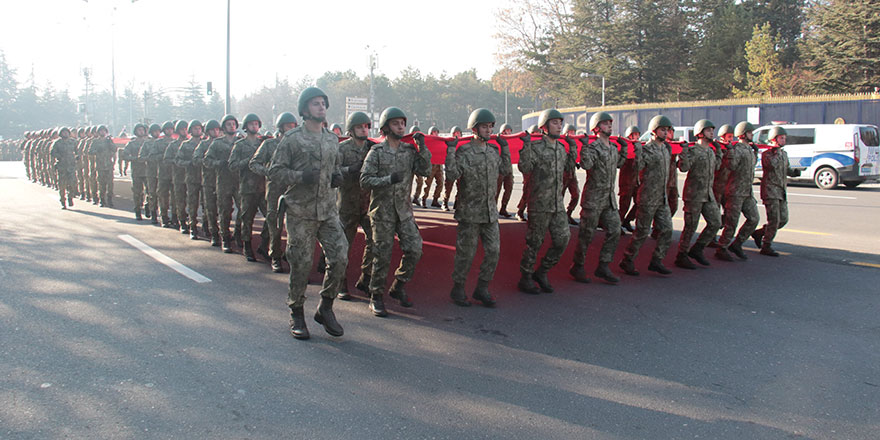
452	144
396	177
572	144
353	170
794	173
335	180
419	137
501	141
369	143
311	176
526	138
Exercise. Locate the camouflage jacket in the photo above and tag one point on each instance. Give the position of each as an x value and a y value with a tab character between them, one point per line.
209	175
653	161
260	164
391	202
184	160
545	160
239	158
478	165
300	151
178	174
166	169
152	156
130	153
739	160
353	200
217	157
601	160
774	163
104	152
722	173
700	162
63	155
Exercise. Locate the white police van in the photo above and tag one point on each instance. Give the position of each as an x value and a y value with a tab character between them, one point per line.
682	133
830	154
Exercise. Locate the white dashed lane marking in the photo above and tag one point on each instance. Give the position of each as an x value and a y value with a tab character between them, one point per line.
164	259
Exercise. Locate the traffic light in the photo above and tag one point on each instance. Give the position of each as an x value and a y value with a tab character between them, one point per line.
210	88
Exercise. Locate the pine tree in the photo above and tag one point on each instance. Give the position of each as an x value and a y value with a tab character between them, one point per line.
843	42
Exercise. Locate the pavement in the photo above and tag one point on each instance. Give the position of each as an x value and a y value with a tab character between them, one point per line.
118	329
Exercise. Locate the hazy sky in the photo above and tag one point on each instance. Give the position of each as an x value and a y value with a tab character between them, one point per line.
167	43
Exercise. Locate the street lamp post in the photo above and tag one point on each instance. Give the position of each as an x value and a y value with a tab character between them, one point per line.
228	20
587	75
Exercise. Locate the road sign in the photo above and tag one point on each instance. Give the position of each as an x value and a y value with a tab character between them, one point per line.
356	107
351	100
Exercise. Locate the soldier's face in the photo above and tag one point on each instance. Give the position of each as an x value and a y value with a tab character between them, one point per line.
168	132
780	140
709	132
605	127
554	127
507	131
253	127
182	133
65	134
748	135
727	137
230	127
361	131
196	131
139	132
318	108
634	136
154	133
397	126
484	130
214	132
661	133
337	131
288	126
102	133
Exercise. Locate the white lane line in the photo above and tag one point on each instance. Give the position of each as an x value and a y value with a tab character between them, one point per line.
815	195
164	259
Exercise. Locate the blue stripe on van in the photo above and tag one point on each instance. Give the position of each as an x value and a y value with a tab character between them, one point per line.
842	158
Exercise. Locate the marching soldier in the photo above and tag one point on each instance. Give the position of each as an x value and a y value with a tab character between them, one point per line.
63	152
147	155
545	160
387	171
447	188
524	198
252	186
739	161
138	167
103	150
420	180
82	167
505	181
307	162
178	176
598	205
93	165
570	181
478	165
774	184
628	181
165	173
217	157
435	176
192	177
209	181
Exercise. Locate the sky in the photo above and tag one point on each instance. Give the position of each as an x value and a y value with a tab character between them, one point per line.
169	43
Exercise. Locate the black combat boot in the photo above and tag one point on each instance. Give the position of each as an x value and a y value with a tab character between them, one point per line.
298	327
236	235
481	294
503	212
194	231
325	316
435	203
526	285
602	271
249	251
377	305
215	240
63	205
153	219
521	215
696	253
656	265
458	296
70	201
682	261
578	273
227	244
737	249
758	236
398	292
540	277
446	205
723	255
628	266
137	214
768	251
147	211
363	284
276	266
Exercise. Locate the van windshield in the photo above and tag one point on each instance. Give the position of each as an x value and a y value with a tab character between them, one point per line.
869	136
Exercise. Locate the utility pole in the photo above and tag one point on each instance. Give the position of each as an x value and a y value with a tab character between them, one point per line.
372	91
228	21
87	74
113	65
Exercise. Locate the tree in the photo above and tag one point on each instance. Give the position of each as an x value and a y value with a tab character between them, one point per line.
843	44
765	68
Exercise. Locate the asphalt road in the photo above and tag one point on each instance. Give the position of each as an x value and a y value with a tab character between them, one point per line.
100	340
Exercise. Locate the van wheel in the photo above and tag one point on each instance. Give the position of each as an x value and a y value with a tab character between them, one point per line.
851	185
826	178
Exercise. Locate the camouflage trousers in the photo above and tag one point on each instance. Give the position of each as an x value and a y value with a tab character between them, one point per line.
524	198
777	217
504	183
732	209
163	192
661	218
273	196
193	193
435	176
627	195
181	201
93	182
81	184
419	180
226	201
301	236
570	184
105	178
66	184
152	190
692	212
538	225
350	223
466	238
211	213
609	219
383	240
672	199
250	204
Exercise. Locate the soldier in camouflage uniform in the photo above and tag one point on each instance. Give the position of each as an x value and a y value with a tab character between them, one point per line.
477	165
209	180
545	160
435	176
138	168
93	165
447	187
307	162
165	172
252	186
178	176
259	164
505	181
570	181
103	150
739	160
628	182
354	202
192	178
82	180
217	157
419	180
387	171
700	161
774	183
148	155
598	205
63	152
652	162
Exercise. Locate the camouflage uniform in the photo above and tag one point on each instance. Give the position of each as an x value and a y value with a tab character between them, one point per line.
178	181
82	181
209	187
311	208
166	180
700	162
138	171
149	153
436	176
391	209
628	185
217	157
92	170
721	175
259	164
477	165
192	180
598	204
104	152
774	183
652	161
739	160
63	153
251	187
545	161
354	203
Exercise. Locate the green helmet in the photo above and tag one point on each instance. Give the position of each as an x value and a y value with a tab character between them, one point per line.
433	129
389	114
228	118
567	128
534	129
415	129
251	117
181	125
725	129
742	128
547	115
136	126
307	95
63	129
776	131
631	129
153	127
335	126
701	125
454	129
355	119
167	125
659	121
505	126
102	127
284	119
480	116
212	124
597	118
194	123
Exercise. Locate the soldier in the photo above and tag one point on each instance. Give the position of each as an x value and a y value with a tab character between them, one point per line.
598	205
628	181
739	161
252	186
700	161
478	164
419	179
307	163
165	173
545	160
652	162
217	157
209	181
336	129
524	198
103	151
178	176
436	176
192	177
147	155
447	189
569	180
387	171
93	165
82	180
259	164
725	141
138	168
505	181
354	202
63	154
774	183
